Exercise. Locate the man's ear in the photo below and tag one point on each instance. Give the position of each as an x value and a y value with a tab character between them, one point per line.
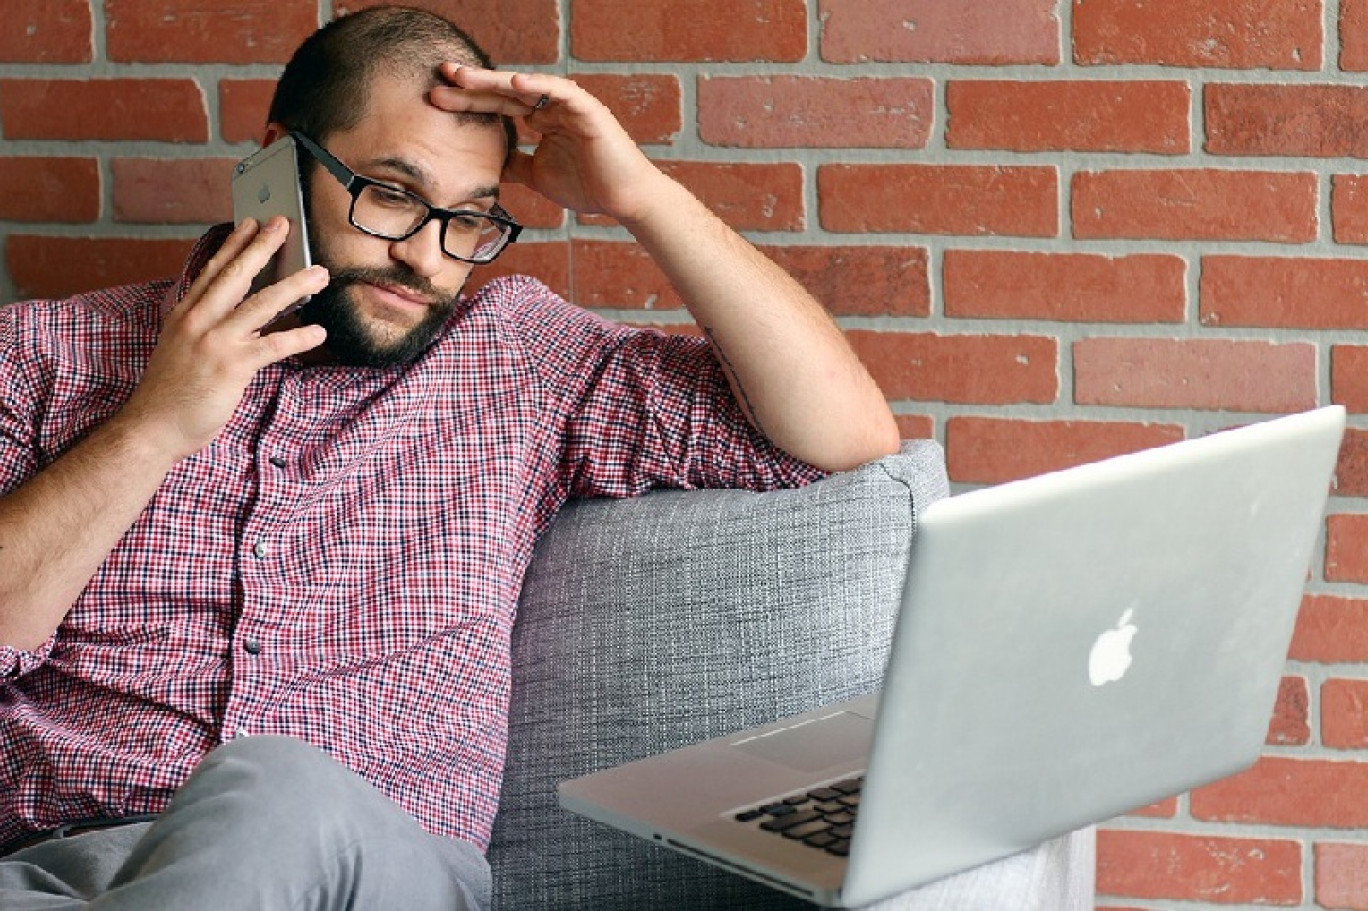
273	132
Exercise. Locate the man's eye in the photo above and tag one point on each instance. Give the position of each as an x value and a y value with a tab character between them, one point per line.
388	196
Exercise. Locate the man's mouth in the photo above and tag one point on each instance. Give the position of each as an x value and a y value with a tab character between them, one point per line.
401	295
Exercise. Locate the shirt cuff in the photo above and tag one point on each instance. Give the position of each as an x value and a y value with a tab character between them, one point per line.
16	662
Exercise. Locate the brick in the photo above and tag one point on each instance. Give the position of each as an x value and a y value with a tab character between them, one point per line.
170	110
1349	208
56	267
1291	721
666	30
1280	292
967	369
1163	809
1344	724
243	108
1351	474
1081	116
915	426
509	31
47	31
192	31
1341	875
648	105
1282	791
1353	35
1165	865
861	281
933	31
849	281
173	191
985	450
619	276
1196	205
549	262
1315	121
1349	377
1228	34
1204	374
940	199
49	189
530	208
1331	630
1072	287
815	112
1346	548
748	197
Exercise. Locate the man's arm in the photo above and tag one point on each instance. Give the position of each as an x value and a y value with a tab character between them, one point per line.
789	366
58	527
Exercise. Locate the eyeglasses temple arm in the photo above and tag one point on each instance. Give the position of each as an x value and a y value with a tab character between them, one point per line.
343	174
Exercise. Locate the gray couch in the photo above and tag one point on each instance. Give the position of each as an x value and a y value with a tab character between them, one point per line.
648	623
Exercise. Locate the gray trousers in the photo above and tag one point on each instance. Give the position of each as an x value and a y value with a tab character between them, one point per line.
263	823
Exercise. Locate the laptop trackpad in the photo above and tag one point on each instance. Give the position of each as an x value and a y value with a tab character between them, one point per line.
808	747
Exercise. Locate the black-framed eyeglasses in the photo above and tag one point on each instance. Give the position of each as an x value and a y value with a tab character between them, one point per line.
393	213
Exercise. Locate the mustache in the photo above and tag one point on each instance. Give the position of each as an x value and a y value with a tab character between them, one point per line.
392	276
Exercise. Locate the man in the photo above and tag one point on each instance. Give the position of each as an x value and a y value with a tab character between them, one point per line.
216	525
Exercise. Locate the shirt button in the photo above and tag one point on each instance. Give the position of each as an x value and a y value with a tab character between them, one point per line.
252	646
261	549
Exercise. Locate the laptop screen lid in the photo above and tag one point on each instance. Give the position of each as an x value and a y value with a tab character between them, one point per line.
1079	644
1009	712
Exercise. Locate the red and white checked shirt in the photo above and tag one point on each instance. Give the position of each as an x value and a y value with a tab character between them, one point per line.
342	563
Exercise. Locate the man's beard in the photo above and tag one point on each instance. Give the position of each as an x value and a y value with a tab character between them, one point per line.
350	340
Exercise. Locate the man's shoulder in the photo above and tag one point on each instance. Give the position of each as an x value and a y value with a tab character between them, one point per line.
526	307
132	306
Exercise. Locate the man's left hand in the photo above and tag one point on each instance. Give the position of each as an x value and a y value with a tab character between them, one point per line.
584	161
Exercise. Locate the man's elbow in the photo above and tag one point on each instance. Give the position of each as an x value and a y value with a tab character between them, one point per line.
858	446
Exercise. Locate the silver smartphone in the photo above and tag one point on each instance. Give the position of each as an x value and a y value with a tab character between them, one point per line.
267	184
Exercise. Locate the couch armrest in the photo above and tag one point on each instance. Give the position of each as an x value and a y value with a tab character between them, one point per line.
649	623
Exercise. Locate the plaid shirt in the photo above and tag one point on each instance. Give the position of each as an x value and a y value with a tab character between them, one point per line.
342	563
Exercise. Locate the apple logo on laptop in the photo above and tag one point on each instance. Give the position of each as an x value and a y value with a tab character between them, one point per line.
1110	657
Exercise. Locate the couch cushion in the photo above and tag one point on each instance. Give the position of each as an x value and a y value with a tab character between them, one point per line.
646	624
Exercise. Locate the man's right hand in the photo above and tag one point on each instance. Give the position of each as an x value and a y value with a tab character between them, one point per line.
212	342
59	525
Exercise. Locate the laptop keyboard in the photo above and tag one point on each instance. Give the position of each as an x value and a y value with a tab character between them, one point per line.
822	817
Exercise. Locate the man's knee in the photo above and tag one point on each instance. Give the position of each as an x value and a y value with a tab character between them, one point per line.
282	779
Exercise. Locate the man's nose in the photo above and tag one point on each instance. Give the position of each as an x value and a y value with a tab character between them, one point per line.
422	252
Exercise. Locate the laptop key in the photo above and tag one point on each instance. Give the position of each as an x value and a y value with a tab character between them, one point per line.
849	786
821	839
788	821
807	829
748	815
840	847
778	809
823	794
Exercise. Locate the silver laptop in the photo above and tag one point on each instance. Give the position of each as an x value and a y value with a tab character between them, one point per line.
1069	647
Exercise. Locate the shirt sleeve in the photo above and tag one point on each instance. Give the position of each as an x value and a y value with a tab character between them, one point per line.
642	408
18	410
16	662
18	405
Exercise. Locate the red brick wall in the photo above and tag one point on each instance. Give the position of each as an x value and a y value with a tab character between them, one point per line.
1056	230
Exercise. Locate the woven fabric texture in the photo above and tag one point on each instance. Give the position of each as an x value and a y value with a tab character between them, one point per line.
649	623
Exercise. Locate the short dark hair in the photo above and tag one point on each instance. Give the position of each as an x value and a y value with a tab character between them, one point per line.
325	86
